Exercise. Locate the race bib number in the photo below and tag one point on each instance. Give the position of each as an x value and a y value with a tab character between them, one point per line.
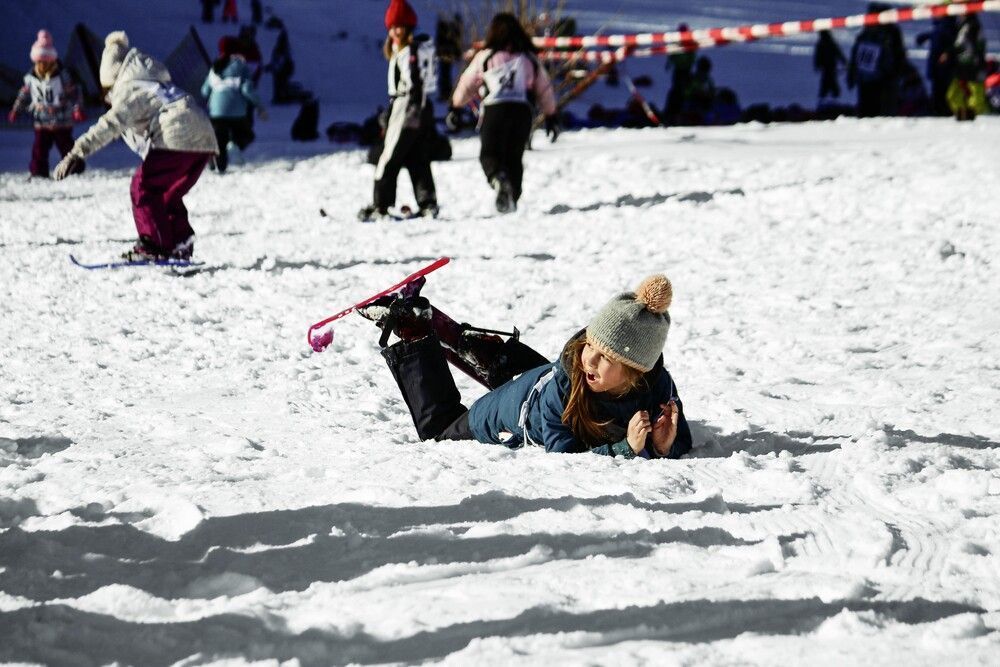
867	57
506	82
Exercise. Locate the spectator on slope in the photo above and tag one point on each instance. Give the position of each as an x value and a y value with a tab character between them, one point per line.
448	42
167	128
827	59
282	66
608	393
699	94
511	80
967	94
248	47
409	131
229	11
940	61
231	98
680	65
53	98
208	10
875	67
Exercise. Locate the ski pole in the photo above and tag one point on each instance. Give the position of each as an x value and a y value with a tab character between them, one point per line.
323	340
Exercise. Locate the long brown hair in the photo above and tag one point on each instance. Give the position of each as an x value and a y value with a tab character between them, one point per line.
505	33
579	413
387	46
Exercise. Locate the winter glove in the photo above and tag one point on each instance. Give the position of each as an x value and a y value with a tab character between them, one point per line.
78	115
453	121
12	116
552	128
68	165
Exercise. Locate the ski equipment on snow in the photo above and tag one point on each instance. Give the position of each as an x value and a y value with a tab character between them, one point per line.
321	341
120	264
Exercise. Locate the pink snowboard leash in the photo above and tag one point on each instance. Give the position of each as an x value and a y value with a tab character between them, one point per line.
322	341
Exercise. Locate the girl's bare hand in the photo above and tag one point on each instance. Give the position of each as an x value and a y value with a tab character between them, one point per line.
665	429
638	428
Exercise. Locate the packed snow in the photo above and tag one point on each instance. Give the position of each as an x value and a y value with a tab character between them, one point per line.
184	481
183	478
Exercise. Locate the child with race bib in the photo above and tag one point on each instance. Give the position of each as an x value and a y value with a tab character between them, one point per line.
171	133
53	98
608	393
507	75
409	127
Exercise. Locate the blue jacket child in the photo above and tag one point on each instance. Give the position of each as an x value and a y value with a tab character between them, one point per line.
608	394
230	91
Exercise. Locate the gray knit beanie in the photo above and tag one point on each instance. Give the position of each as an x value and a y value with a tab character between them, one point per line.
632	327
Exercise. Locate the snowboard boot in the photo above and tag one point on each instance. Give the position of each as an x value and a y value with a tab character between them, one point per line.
505	193
429	211
373	214
184	249
145	250
406	316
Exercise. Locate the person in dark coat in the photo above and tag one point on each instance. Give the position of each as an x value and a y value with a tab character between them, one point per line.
827	59
680	66
876	66
608	393
940	61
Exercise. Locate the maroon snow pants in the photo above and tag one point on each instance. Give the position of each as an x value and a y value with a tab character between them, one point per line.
158	189
62	137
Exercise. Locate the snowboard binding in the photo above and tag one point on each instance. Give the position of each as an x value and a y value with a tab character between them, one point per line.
480	353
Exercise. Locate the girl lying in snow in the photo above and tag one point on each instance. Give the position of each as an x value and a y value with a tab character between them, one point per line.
608	393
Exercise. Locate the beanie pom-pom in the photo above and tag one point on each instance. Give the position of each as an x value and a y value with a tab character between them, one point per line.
656	293
117	37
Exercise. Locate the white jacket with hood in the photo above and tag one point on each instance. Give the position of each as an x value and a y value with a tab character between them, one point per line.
147	110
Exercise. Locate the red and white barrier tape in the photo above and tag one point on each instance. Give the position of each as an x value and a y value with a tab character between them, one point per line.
717	36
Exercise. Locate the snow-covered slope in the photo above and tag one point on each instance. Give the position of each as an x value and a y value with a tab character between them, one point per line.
181	478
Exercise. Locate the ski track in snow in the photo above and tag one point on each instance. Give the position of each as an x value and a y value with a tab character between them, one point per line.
182	479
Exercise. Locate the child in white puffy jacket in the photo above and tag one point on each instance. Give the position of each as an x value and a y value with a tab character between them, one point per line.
167	128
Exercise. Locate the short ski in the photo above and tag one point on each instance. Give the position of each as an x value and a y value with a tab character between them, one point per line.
320	342
123	263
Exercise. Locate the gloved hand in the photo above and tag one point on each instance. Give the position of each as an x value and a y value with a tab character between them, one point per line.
262	113
12	116
78	115
552	128
68	165
453	120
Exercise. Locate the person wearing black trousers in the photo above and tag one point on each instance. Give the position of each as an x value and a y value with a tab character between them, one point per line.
510	79
410	126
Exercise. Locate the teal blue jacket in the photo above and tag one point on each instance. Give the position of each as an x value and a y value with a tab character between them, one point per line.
229	90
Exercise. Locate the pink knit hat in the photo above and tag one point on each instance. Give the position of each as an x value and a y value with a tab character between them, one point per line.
43	50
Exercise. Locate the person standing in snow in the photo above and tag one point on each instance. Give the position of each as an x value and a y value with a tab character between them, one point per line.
967	94
608	393
827	59
510	79
229	11
231	96
53	98
409	132
167	128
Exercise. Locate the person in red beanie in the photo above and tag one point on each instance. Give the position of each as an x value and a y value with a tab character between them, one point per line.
412	80
54	100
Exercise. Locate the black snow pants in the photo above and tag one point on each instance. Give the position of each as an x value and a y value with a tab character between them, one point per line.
503	137
412	149
421	371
